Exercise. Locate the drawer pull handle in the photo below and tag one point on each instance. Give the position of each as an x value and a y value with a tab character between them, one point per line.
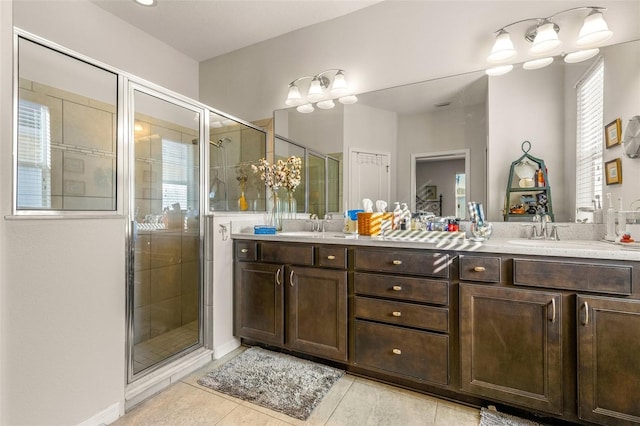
244	251
397	262
479	269
397	351
396	288
396	314
331	257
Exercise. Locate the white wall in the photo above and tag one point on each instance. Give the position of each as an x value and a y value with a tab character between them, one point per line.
531	112
62	282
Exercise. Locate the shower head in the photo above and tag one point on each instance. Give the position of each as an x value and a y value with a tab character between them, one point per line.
219	143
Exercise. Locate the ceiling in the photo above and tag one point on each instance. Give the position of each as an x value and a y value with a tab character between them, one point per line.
204	29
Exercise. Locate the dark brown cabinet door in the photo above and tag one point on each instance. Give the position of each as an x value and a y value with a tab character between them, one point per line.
510	345
317	311
609	360
259	302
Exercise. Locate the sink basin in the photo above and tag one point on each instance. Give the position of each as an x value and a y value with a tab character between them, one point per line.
565	244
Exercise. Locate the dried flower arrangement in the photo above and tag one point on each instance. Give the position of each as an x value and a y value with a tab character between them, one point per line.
285	174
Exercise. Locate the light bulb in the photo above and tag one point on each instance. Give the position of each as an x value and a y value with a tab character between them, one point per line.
546	39
594	30
502	48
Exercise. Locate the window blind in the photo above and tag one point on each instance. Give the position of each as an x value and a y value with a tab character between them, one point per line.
34	156
589	132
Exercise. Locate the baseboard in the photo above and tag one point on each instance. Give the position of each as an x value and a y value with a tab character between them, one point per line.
222	350
105	417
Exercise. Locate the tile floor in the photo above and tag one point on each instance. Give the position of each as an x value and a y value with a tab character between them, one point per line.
154	350
351	401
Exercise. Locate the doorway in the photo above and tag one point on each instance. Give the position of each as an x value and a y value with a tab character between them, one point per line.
369	177
442	173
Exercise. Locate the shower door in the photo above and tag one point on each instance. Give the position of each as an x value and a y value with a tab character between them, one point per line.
165	240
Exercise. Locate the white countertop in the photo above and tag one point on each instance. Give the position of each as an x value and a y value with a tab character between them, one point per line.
519	246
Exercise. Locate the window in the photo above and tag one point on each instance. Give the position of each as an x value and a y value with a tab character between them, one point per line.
34	156
178	161
589	135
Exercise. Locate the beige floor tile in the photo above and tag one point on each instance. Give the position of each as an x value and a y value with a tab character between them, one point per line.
367	404
193	378
180	404
448	413
245	415
323	411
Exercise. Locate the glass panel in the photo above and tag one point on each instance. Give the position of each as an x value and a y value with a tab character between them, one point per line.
167	269
233	148
283	150
66	148
334	185
317	179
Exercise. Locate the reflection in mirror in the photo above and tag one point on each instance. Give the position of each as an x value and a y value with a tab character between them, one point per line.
284	149
233	148
66	147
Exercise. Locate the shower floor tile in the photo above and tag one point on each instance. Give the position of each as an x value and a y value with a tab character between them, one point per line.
154	350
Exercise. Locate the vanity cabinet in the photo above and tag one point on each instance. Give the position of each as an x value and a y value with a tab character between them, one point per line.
402	314
608	360
511	345
293	296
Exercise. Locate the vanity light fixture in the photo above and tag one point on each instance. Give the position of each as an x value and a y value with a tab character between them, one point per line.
544	38
323	89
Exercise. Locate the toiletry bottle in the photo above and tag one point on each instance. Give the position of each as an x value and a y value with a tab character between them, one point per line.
597	213
622	219
405	213
611	221
540	180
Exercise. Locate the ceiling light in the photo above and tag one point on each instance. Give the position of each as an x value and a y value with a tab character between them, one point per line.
318	91
328	104
146	2
536	64
594	30
581	55
546	38
499	70
306	108
502	48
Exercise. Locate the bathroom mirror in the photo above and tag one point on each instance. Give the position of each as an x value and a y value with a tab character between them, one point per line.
522	105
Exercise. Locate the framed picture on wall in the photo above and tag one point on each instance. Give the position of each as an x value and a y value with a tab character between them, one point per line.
613	133
613	171
430	192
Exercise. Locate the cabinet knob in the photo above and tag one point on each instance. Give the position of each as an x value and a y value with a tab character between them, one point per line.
396	314
479	268
397	262
397	351
244	250
396	288
331	257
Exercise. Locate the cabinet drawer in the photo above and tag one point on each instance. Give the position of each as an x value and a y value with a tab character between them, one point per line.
416	354
402	288
403	262
612	279
295	254
480	268
246	250
400	313
332	257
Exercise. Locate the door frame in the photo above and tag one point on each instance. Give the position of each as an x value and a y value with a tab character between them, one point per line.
349	203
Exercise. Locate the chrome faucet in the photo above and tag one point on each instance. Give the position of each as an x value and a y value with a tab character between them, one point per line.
540	233
315	222
327	216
